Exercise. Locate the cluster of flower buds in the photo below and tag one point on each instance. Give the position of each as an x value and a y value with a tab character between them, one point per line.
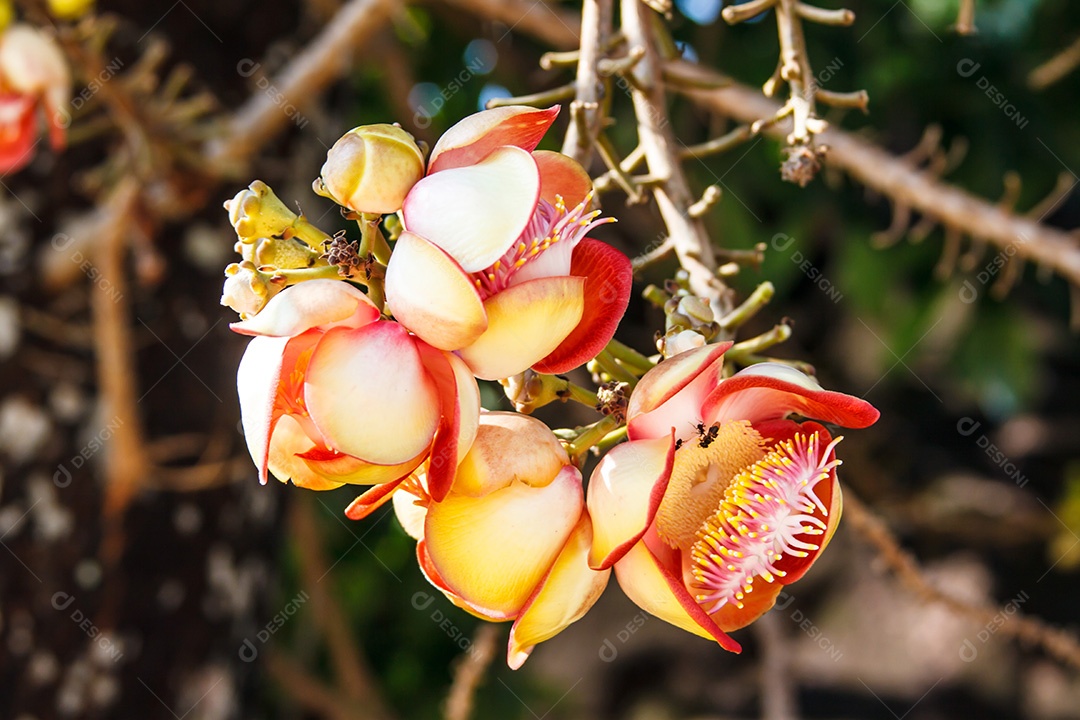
363	370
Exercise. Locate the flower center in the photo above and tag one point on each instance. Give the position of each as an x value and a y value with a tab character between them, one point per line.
767	513
703	469
550	226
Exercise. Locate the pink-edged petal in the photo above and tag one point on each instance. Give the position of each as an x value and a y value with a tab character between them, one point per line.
474	138
257	381
770	391
562	176
289	441
624	494
459	410
346	469
430	294
494	550
670	395
655	587
372	499
369	395
475	213
570	589
526	323
509	447
608	279
432	575
313	303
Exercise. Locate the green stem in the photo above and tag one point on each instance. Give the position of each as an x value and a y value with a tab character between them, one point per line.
323	272
612	439
591	435
757	300
309	233
630	357
611	366
748	348
372	241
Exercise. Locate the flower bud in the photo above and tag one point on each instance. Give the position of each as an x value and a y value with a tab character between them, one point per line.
371	169
258	213
247	290
70	9
281	253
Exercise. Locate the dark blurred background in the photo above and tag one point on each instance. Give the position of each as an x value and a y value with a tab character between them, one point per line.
214	597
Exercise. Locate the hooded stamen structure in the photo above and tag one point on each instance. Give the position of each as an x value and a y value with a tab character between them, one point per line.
767	513
549	226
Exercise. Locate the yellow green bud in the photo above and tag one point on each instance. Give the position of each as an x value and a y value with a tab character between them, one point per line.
257	213
371	169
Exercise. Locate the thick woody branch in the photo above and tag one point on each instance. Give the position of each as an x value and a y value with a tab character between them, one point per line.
905	184
325	59
585	110
673	197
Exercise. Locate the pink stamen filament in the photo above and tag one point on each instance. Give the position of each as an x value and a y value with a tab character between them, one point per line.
550	224
765	510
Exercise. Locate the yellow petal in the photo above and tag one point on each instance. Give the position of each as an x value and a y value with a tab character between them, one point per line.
567	593
288	441
509	447
494	550
625	492
430	294
369	395
526	323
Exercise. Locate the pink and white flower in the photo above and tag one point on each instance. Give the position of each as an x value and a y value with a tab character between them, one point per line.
719	500
330	394
495	263
511	539
33	75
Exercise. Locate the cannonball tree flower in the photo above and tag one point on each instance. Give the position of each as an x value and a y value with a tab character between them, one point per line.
494	263
33	75
330	394
511	539
719	499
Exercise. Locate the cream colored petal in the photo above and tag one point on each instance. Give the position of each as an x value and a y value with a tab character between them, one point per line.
257	381
566	594
509	447
493	551
430	294
670	395
525	323
369	395
625	491
313	303
473	138
411	513
475	213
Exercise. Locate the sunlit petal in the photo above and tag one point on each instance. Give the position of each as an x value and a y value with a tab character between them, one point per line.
472	139
475	213
314	303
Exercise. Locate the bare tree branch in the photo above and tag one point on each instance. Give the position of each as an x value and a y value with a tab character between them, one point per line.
884	172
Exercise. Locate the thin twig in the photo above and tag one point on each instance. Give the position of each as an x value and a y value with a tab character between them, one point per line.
1056	67
778	693
887	174
350	668
1057	643
595	30
470	671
